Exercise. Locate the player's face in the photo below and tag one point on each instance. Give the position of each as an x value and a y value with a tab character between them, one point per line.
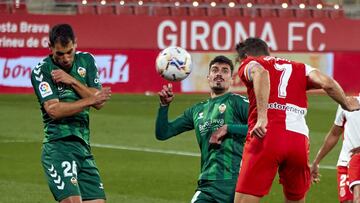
64	55
219	77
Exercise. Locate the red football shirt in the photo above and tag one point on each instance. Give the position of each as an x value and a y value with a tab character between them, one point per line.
287	101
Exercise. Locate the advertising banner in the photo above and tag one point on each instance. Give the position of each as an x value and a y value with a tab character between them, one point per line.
124	71
191	33
133	71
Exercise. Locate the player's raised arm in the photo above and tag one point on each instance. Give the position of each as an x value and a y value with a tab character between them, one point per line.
57	109
60	76
165	129
319	80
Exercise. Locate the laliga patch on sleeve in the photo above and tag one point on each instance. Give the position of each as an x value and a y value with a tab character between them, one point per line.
45	89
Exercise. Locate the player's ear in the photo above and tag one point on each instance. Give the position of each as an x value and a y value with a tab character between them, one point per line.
75	43
232	79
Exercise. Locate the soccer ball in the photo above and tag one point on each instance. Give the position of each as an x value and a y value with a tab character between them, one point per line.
173	63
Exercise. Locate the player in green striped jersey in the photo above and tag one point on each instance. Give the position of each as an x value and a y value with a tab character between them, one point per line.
67	85
221	118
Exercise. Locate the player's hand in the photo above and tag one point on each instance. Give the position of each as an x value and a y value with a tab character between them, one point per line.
356	150
60	76
259	129
102	96
218	135
314	173
352	104
166	95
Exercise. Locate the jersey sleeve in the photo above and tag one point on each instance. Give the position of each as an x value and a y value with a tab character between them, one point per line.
245	71
241	110
44	87
308	69
340	117
165	129
93	79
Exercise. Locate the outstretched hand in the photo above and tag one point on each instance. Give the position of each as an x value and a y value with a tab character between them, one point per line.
218	135
166	94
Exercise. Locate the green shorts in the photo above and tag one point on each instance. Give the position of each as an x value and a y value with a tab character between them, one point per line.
70	170
215	191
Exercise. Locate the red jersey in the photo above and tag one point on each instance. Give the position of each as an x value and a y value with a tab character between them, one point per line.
287	105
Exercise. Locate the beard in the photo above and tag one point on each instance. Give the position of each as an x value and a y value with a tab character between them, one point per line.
218	89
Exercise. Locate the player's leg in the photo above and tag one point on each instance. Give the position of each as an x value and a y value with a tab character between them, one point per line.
356	192
60	170
245	198
344	194
91	186
72	199
294	171
94	201
258	169
223	190
354	176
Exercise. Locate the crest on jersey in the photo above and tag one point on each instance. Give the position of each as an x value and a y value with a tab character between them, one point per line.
82	71
74	181
222	108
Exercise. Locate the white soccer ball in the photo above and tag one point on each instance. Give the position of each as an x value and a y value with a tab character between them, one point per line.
173	63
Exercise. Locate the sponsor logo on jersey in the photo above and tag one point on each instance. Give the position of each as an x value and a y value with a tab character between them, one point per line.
45	89
288	107
82	71
210	125
101	186
222	108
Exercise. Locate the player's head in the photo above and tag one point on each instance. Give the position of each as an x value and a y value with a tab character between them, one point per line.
252	47
62	44
220	74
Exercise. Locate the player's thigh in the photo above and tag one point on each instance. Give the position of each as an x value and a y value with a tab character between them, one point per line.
258	168
224	190
344	193
294	171
60	170
90	183
354	171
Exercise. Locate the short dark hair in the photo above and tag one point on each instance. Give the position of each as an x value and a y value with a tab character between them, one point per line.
252	47
222	59
62	33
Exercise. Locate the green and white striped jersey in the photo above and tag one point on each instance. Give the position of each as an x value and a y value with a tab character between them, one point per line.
84	70
221	162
